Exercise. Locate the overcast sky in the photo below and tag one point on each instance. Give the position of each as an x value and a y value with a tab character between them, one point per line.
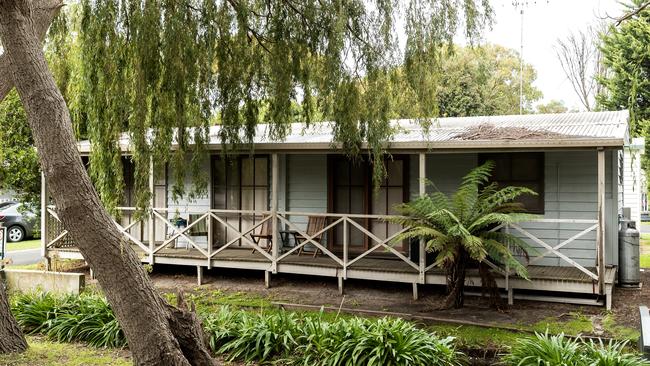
544	22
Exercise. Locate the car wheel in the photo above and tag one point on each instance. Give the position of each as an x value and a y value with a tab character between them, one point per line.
15	233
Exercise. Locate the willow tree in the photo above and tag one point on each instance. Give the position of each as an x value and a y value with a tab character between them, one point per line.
162	70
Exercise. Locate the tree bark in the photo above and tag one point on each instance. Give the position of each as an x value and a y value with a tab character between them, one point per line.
456	282
157	333
43	13
12	339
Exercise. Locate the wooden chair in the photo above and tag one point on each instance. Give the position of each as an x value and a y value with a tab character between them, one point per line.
315	224
266	233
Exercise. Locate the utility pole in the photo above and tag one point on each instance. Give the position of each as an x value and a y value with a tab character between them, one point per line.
521	63
521	4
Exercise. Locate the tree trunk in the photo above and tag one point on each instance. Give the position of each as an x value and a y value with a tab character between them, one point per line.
456	282
43	13
12	339
157	333
489	286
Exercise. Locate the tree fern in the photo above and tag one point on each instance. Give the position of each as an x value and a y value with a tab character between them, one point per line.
462	225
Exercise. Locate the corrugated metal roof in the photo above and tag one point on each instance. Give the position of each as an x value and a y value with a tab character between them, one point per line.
579	129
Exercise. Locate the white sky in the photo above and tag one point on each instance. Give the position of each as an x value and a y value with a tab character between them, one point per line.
544	22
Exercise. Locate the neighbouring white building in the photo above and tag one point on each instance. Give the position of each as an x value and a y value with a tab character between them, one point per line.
633	178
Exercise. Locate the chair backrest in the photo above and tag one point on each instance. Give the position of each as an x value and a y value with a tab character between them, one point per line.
314	225
266	227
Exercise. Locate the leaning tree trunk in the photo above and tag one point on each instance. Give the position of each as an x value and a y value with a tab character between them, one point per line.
157	333
12	339
456	282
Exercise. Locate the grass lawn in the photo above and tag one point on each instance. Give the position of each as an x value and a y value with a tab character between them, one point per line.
645	244
26	244
46	353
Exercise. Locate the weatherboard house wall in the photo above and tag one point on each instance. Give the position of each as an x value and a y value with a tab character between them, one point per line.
570	188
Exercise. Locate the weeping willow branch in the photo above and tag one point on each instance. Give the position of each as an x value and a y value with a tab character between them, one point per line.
165	71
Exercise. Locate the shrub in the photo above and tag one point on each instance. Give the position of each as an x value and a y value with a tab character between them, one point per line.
87	318
310	340
386	341
548	350
611	354
252	336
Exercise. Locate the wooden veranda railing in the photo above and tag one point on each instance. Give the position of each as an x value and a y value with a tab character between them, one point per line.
344	258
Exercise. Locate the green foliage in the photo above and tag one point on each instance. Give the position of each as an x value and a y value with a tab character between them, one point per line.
262	337
385	341
19	166
484	81
172	67
626	84
553	106
311	340
463	221
547	350
86	317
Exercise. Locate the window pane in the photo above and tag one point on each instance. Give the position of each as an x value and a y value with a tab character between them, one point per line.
218	172
219	198
379	229
526	167
379	202
261	171
261	199
395	170
246	172
341	172
357	173
357	194
247	198
501	171
356	236
342	200
532	203
232	171
395	197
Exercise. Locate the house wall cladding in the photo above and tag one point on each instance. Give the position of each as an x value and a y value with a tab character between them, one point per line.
306	185
570	192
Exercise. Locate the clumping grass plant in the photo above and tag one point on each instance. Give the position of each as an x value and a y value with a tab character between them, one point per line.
560	350
288	338
67	318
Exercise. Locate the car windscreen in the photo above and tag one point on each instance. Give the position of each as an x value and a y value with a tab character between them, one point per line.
9	208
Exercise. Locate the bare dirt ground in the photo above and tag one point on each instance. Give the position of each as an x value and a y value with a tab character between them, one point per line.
383	296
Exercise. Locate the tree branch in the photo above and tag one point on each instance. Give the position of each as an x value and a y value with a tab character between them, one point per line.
44	13
632	13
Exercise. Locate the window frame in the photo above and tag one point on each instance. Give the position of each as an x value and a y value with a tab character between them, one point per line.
541	173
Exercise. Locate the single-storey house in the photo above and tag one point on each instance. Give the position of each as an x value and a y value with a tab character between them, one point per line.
301	206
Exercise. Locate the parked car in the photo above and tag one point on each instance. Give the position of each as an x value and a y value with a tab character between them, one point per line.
645	216
19	223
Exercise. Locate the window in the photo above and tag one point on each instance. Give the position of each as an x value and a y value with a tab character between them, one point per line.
521	170
239	184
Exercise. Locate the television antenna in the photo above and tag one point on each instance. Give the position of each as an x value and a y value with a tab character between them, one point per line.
521	5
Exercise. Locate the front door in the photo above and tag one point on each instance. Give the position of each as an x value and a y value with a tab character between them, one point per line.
351	192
